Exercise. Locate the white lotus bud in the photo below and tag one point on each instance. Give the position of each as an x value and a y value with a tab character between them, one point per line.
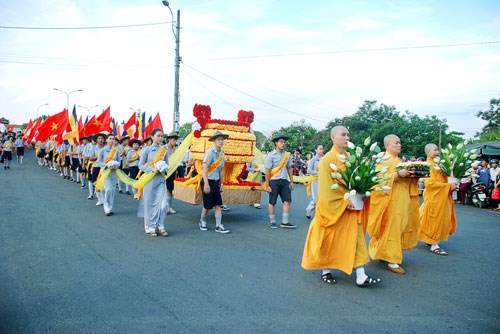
341	157
346	196
334	186
452	156
367	194
378	161
461	164
386	188
357	178
348	164
380	154
334	167
450	146
368	140
444	150
359	151
466	154
437	168
437	160
459	146
351	145
384	170
352	192
473	156
373	147
466	142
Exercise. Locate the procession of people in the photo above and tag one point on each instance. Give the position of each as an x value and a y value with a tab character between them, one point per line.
340	237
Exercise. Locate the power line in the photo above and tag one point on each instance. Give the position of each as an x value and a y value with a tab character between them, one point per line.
88	27
253	96
209	90
319	53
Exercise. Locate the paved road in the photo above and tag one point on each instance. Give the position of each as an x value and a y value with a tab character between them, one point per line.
65	268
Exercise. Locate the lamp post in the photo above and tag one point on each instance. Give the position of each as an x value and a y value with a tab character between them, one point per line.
177	63
38	109
67	95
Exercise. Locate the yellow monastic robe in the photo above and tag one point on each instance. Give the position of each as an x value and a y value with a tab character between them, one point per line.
437	213
336	238
393	222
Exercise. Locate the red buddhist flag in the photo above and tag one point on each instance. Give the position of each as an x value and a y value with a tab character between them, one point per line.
154	124
27	131
131	126
100	124
34	132
54	126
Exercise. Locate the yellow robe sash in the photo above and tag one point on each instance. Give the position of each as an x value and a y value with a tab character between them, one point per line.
278	167
145	178
103	174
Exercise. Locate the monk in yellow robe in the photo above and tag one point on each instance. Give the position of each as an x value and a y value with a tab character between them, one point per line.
336	239
437	213
393	222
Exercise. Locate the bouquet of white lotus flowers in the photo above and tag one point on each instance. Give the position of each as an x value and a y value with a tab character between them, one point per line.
455	160
360	177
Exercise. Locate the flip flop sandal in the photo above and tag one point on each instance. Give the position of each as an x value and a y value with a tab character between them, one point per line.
369	281
440	251
328	279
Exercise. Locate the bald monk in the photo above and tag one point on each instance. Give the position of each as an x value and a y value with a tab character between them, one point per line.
437	213
393	219
336	239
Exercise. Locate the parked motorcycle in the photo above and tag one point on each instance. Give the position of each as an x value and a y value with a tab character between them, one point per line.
479	195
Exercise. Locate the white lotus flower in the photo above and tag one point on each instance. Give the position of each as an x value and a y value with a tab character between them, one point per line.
450	146
373	147
367	194
357	178
367	141
459	146
346	196
334	186
359	150
334	167
351	145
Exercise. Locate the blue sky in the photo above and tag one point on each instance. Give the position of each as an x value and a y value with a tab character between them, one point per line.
134	67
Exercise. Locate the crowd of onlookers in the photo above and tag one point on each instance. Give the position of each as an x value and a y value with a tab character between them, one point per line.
487	173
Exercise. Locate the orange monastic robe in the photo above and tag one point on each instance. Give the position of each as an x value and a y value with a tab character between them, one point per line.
437	213
393	222
335	239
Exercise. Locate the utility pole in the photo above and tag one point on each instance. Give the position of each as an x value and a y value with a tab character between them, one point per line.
177	67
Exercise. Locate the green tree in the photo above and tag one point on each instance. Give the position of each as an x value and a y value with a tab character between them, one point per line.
377	121
185	129
300	136
491	131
